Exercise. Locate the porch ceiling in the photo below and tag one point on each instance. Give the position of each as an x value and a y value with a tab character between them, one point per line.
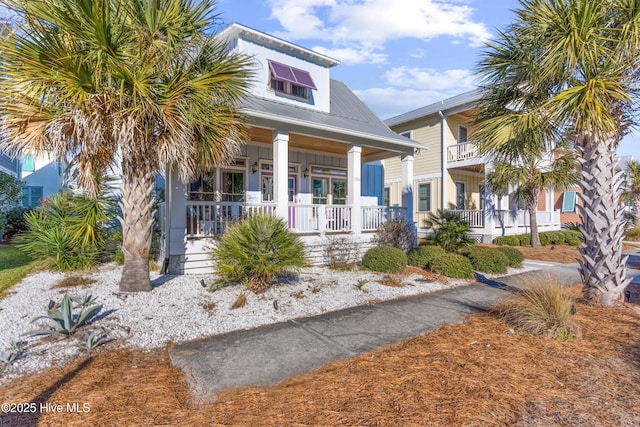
321	145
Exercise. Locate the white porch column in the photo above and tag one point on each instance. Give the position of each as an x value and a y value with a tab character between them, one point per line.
281	173
354	186
176	212
444	131
489	208
407	184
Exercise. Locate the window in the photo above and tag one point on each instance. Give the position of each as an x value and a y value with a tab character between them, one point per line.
424	197
232	186
28	163
290	81
320	191
462	134
203	188
31	196
461	195
482	195
334	180
569	202
386	196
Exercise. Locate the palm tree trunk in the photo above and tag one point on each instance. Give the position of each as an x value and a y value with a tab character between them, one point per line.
636	209
533	222
137	225
602	268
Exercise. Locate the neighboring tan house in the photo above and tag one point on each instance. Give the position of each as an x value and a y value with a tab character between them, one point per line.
450	174
305	160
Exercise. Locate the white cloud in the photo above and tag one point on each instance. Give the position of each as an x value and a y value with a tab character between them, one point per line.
358	25
354	55
429	79
413	88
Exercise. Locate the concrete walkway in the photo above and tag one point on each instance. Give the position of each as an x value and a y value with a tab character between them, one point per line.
271	354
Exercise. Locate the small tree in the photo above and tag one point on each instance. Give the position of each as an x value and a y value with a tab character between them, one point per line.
10	196
633	191
450	232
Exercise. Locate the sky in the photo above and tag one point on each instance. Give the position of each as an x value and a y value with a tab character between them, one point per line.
396	55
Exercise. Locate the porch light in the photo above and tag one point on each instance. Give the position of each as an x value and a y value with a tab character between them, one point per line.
305	173
254	167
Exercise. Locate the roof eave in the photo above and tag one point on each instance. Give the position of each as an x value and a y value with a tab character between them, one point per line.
297	126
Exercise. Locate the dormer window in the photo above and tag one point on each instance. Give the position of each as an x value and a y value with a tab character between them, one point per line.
290	81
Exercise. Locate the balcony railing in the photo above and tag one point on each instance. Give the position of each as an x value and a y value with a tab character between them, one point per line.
463	152
507	218
205	219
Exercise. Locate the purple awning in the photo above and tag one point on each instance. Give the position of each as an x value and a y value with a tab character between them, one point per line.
291	75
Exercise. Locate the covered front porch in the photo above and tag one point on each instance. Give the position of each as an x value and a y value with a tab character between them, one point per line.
321	188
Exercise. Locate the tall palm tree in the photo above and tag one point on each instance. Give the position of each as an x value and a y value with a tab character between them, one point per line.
137	85
530	173
583	56
633	189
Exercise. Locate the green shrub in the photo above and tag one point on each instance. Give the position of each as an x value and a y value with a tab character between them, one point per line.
421	256
452	265
514	256
632	234
257	250
541	309
555	237
399	234
508	240
385	259
544	239
486	260
15	222
450	232
66	229
525	239
573	237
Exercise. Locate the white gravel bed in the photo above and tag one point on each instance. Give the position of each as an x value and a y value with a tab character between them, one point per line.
179	308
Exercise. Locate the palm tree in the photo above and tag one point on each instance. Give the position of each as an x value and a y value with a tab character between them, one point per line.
530	173
135	84
582	55
633	192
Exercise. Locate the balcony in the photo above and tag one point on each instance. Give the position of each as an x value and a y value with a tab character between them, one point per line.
464	154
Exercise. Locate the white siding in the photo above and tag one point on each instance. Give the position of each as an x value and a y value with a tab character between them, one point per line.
261	55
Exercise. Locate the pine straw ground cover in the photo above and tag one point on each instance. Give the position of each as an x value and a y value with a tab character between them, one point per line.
476	373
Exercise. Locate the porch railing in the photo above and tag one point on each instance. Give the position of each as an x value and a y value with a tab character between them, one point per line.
475	218
507	218
206	218
462	151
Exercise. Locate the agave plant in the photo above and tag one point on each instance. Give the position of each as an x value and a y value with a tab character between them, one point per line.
93	340
65	323
83	301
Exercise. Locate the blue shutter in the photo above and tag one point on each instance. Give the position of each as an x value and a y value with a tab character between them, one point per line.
569	201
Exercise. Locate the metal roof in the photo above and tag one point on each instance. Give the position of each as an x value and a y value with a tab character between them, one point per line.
349	120
459	103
